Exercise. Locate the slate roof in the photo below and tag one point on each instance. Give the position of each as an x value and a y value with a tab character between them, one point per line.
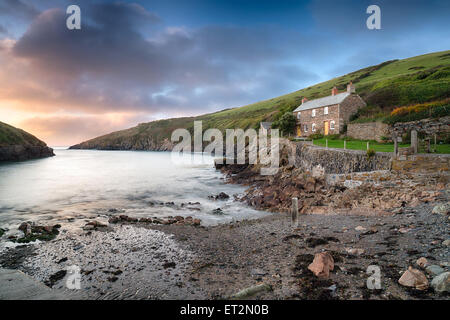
323	102
266	125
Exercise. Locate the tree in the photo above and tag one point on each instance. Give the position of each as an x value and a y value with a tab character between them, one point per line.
287	123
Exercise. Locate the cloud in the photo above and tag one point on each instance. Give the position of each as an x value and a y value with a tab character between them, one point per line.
112	64
71	129
18	8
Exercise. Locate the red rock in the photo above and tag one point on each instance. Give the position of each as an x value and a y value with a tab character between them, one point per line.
322	264
414	278
422	262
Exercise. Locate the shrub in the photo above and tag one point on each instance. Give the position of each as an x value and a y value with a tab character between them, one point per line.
419	111
316	136
370	153
334	136
287	122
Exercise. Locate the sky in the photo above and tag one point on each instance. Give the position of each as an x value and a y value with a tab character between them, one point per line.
138	61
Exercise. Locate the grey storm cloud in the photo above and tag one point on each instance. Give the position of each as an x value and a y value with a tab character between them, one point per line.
124	58
18	8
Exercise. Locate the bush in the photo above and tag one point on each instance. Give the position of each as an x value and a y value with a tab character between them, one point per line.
370	153
287	122
334	136
419	111
316	136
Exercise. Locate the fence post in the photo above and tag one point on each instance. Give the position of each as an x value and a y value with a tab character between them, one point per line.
345	144
326	143
294	213
395	145
367	145
414	141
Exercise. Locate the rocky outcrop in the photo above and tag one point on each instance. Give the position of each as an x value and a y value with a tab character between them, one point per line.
18	145
140	143
20	152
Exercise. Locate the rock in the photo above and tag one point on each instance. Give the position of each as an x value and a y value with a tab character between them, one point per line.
248	292
114	220
322	264
434	270
217	211
220	196
422	262
196	222
446	243
169	265
258	272
355	251
360	228
414	278
443	209
95	224
441	283
25	227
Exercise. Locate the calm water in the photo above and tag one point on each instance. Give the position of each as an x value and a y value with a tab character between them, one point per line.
77	185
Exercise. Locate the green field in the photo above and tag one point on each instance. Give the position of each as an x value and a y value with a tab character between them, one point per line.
379	147
384	87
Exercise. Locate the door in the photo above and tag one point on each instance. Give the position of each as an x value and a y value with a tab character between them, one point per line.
299	131
326	126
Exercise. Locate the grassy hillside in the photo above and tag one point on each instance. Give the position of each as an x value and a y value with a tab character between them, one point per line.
385	86
10	135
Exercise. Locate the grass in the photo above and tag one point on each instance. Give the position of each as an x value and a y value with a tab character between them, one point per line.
377	146
10	135
358	145
385	86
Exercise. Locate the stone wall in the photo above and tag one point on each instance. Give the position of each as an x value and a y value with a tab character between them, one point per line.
368	131
323	160
428	126
422	163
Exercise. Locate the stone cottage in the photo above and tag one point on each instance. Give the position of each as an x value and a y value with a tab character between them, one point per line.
327	115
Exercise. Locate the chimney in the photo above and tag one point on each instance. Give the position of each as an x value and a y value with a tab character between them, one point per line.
351	88
304	100
334	91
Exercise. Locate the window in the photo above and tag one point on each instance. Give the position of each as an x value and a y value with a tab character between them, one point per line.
332	125
298	115
325	110
313	113
313	127
305	128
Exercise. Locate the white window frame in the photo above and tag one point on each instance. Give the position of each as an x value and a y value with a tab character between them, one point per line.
325	110
313	113
298	115
332	124
305	128
313	127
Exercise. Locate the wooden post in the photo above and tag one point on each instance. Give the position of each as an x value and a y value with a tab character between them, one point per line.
435	148
294	213
367	145
326	143
345	144
395	145
414	141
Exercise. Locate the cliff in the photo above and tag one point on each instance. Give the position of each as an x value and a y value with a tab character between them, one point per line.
18	145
